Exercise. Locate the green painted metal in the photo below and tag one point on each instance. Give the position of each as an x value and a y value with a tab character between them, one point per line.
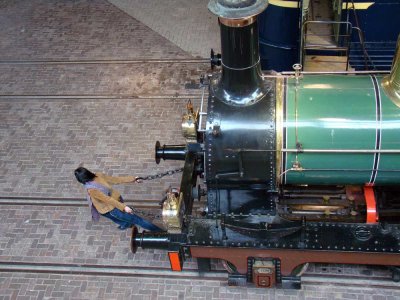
339	112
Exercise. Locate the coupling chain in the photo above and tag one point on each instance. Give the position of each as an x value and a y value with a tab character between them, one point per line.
160	175
152	177
145	213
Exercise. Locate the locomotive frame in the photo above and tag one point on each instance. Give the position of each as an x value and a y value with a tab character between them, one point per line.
264	222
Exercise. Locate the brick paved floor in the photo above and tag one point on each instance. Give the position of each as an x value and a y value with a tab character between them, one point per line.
187	24
76	30
101	79
42	140
67	235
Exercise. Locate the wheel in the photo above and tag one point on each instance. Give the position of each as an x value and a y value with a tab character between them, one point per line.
228	266
300	270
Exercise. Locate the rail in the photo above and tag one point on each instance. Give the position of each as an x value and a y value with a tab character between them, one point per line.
343	39
107	270
78	202
103	61
309	278
361	38
150	204
96	97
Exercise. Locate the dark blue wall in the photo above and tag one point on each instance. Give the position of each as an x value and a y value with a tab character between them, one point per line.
380	22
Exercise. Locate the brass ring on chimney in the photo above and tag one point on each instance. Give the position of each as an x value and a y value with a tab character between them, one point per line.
238	22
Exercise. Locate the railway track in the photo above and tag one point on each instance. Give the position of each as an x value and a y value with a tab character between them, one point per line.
190	90
101	97
78	202
104	61
310	278
189	274
108	270
61	202
349	281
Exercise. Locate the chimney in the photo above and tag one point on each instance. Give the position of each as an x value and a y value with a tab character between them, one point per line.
241	79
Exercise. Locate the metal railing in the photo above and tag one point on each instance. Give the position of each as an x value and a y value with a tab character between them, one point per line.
341	45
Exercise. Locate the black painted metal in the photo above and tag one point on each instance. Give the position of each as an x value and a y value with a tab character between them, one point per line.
241	81
203	264
239	46
395	274
188	181
159	240
240	156
388	203
237	280
228	199
172	152
215	59
152	240
347	237
291	282
240	141
240	129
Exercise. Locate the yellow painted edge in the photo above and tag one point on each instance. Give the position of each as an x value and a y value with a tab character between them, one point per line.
282	3
364	5
295	4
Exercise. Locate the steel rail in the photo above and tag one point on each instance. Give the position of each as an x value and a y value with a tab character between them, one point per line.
343	280
104	61
141	271
75	202
58	201
108	270
99	97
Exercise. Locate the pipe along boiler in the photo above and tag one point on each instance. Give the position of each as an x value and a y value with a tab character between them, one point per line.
296	169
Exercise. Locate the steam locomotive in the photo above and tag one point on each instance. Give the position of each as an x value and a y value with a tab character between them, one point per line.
295	168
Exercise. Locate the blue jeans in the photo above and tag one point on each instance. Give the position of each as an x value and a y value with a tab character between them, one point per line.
125	220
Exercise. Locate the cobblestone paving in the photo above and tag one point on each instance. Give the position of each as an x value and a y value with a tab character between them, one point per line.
43	140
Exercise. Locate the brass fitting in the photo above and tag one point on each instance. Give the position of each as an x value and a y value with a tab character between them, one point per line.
190	123
391	82
172	212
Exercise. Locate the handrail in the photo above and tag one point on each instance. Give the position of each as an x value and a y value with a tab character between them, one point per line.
346	38
367	59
